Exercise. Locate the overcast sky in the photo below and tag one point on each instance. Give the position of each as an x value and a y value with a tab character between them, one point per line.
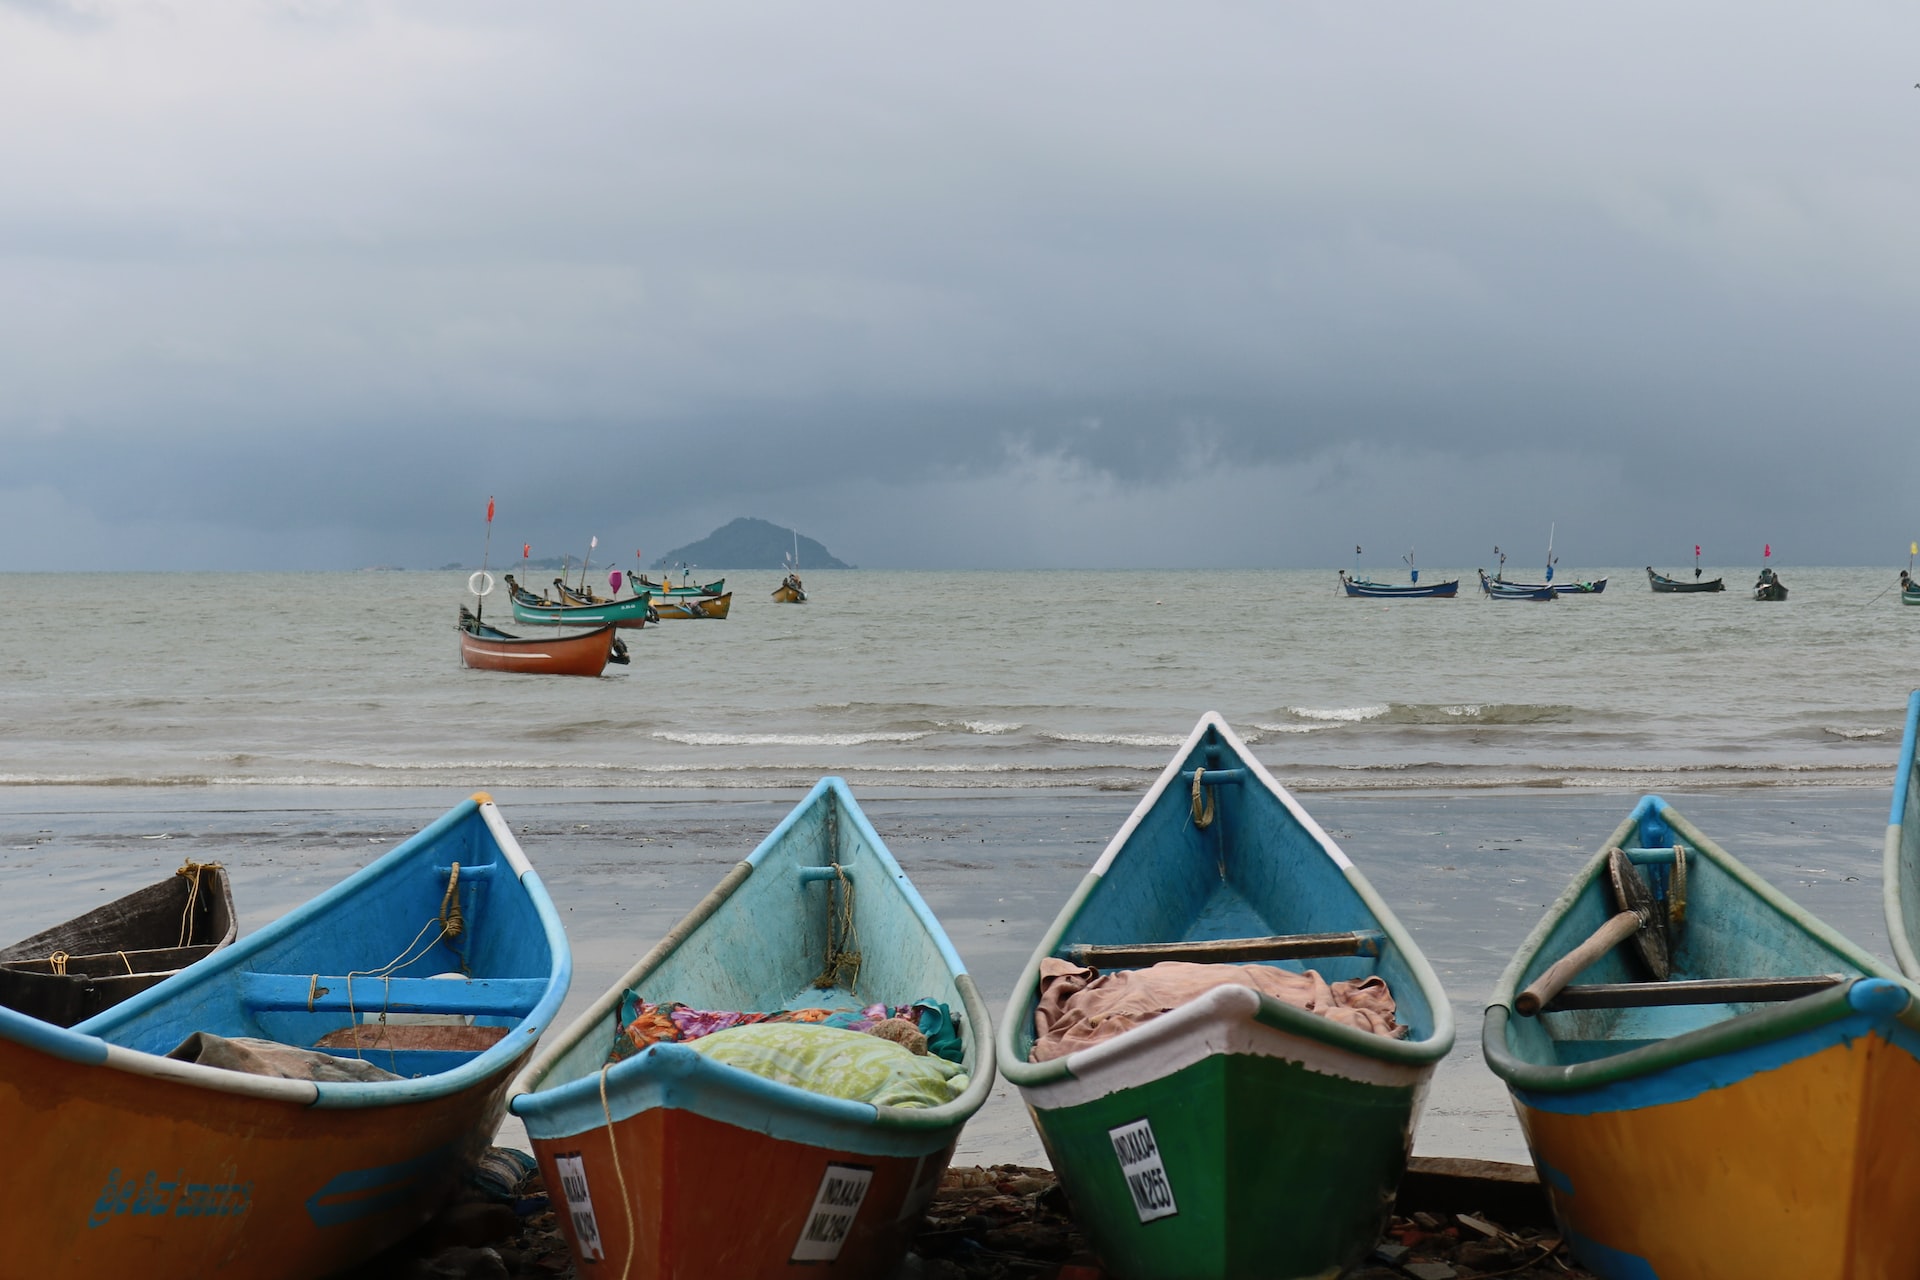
1071	284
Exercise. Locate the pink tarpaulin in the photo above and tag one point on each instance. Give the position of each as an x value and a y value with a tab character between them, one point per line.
1081	1007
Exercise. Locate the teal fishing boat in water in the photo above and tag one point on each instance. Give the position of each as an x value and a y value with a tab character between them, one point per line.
1186	1139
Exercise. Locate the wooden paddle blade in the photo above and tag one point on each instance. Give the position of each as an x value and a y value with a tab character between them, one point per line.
1631	893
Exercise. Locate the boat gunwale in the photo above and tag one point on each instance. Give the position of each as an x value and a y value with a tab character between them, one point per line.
1274	1013
1741	1031
530	1091
80	1046
1892	893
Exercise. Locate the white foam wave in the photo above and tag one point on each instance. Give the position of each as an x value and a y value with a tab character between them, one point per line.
1856	734
1116	739
1340	715
789	739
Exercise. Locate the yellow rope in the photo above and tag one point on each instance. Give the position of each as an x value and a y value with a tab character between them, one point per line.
191	870
59	962
843	939
613	1148
1201	803
449	925
126	962
450	918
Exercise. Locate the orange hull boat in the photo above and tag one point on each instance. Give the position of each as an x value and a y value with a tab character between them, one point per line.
584	653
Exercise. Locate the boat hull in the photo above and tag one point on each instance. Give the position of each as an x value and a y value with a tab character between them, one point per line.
1387	591
789	595
1771	591
620	613
583	653
169	1182
1500	590
1795	1164
693	1196
1910	595
683	607
1256	1119
1664	585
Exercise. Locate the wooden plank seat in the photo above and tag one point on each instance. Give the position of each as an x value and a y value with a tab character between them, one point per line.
1629	995
1282	946
477	997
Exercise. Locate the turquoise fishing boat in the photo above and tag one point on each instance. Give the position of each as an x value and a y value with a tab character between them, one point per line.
532	610
1184	1141
1733	1087
296	1102
673	1163
1901	880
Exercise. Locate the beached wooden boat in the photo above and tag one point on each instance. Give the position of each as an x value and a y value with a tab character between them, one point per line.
93	961
671	1164
790	591
678	607
1732	1092
533	611
1664	585
1390	591
583	653
1237	1135
396	1005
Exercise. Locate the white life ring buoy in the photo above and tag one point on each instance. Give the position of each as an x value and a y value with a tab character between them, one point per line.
481	583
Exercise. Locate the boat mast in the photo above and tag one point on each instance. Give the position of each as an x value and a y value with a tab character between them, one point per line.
1550	528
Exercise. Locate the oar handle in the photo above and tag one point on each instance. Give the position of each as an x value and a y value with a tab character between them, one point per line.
1568	967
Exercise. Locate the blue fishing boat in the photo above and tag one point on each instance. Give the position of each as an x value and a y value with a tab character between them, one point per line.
1179	1135
1515	591
1732	1088
300	1100
668	1159
1355	585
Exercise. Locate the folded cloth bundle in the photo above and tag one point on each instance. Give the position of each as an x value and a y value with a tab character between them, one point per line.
642	1023
1080	1007
837	1063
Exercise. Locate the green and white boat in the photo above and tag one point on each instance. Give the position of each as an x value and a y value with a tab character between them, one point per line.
1235	1135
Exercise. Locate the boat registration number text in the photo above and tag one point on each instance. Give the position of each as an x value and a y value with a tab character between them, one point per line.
150	1197
573	1189
1140	1165
835	1205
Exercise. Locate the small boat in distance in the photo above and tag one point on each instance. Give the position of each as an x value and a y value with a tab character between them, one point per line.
534	611
1355	585
670	1164
693	606
1769	587
299	1101
1499	590
790	591
1733	1093
582	653
1662	584
72	971
1909	589
686	587
1592	587
1178	1135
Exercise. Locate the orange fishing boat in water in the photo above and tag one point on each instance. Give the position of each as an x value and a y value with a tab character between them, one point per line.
585	653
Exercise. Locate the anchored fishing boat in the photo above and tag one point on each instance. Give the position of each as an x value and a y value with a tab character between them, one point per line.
667	1159
300	1100
681	607
1355	585
92	962
1665	585
1183	1138
790	591
1732	1087
584	653
533	611
1515	591
1769	587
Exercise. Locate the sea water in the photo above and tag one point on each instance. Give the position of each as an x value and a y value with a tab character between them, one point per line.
960	681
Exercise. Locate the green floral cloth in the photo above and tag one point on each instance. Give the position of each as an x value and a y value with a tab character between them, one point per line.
837	1063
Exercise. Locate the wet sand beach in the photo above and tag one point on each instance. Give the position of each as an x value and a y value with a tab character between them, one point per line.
1469	874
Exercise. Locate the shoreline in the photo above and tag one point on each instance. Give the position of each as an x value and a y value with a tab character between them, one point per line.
1468	873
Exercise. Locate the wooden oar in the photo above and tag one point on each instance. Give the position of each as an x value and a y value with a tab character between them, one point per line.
1636	919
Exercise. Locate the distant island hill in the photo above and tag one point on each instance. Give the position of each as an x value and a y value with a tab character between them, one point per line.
744	543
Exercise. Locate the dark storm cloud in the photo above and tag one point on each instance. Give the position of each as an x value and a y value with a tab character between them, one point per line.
333	270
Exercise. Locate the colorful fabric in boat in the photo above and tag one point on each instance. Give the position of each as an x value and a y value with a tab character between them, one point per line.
642	1023
837	1063
1079	1007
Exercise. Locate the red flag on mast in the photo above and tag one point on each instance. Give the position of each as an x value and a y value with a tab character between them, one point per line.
1696	548
489	508
526	549
1767	552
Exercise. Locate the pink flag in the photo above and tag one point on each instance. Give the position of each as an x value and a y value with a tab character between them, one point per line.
613	579
1767	552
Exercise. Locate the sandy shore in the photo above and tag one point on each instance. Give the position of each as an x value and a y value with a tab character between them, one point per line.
1469	874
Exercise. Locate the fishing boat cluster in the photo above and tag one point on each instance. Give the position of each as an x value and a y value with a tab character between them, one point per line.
1224	1039
1497	586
